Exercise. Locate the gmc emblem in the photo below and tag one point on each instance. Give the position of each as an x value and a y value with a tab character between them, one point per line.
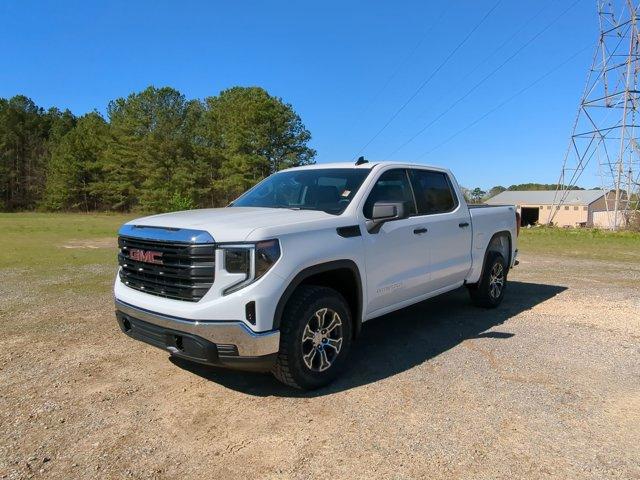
147	256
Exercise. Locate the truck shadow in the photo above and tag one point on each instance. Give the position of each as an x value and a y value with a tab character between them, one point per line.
399	341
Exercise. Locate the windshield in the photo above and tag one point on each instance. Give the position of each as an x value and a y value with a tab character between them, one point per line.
326	189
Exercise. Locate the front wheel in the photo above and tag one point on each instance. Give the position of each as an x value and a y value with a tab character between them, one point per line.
489	291
315	338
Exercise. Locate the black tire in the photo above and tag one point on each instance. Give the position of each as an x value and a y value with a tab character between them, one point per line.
484	293
302	310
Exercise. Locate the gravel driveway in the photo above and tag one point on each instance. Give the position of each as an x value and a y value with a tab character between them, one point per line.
547	385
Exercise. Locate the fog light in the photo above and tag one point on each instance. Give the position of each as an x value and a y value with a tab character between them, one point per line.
250	312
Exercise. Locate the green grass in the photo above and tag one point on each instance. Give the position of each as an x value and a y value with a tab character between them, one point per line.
581	243
36	246
38	240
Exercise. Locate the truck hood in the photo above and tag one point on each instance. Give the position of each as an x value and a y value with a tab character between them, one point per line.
233	224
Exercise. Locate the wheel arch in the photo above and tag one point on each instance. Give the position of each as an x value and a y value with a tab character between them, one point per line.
330	274
496	245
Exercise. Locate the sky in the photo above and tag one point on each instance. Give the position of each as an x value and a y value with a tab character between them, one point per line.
488	89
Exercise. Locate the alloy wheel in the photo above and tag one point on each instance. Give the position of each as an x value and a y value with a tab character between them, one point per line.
322	340
496	280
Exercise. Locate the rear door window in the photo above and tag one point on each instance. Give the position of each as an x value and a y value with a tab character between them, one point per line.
433	191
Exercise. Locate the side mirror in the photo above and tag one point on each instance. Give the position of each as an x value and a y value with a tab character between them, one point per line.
385	212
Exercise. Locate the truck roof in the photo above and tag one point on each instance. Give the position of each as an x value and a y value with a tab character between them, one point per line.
368	165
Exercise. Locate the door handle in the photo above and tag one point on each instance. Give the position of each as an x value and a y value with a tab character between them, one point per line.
420	231
463	224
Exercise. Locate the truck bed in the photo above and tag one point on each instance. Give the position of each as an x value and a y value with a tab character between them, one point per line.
486	221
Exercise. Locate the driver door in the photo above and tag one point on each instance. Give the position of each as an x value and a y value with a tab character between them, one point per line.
397	256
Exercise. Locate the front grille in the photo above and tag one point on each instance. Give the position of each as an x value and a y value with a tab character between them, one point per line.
186	271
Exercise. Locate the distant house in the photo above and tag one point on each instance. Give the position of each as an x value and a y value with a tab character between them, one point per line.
577	210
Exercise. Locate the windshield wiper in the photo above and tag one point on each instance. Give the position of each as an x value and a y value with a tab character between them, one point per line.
330	212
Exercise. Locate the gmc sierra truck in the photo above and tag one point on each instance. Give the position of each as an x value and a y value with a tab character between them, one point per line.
283	278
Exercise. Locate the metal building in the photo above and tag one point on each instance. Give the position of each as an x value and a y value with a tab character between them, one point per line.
579	209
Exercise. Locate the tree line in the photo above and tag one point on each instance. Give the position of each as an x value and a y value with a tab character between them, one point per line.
477	195
155	150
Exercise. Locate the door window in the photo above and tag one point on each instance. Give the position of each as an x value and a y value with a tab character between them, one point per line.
433	191
392	186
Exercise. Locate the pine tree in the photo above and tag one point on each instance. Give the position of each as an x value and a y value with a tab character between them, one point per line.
253	135
75	168
157	151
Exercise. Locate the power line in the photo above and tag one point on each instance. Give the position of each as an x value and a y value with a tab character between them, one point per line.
502	104
428	79
398	68
506	42
484	79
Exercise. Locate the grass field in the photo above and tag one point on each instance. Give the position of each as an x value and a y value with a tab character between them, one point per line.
24	235
581	243
60	252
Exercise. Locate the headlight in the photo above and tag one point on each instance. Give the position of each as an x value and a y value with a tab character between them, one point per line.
251	259
237	260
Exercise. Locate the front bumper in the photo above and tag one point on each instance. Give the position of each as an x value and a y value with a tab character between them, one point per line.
223	343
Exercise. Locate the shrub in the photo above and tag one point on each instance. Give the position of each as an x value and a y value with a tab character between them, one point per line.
180	202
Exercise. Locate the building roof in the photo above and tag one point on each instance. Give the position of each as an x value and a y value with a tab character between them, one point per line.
545	197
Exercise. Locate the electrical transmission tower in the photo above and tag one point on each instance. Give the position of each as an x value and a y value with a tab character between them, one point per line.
604	141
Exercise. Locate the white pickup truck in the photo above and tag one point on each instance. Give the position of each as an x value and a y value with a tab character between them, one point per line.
282	279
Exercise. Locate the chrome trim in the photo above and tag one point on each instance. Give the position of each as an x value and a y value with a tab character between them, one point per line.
165	234
249	343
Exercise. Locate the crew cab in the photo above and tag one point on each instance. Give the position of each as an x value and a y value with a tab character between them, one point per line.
283	278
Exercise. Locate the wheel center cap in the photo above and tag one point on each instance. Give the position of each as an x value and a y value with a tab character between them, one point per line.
317	338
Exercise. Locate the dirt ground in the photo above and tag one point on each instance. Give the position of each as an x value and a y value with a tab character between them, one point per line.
547	385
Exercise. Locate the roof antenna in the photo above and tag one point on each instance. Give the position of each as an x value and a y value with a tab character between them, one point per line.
361	160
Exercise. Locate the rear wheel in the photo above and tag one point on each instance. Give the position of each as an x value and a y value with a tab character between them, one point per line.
315	338
489	291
